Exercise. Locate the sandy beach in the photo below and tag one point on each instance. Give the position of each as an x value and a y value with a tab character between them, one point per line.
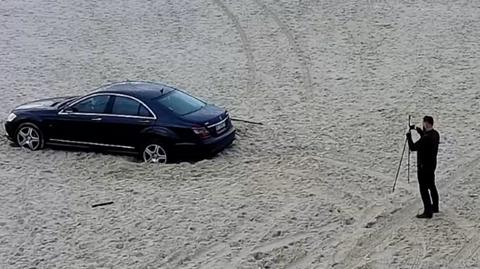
333	82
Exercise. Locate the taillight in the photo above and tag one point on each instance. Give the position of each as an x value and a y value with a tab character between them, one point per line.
202	132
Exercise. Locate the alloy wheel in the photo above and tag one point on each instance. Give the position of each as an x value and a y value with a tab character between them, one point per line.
154	153
29	138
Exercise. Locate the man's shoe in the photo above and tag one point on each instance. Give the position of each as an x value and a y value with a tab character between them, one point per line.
425	216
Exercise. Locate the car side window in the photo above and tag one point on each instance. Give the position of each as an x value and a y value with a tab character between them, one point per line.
128	106
143	111
95	104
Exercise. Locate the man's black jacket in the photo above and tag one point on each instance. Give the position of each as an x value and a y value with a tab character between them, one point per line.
427	148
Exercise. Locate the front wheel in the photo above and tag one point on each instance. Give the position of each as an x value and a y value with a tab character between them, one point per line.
29	136
155	152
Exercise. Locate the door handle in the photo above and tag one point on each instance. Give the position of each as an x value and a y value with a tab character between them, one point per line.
97	119
144	121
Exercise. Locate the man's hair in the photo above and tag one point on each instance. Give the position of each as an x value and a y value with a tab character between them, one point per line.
428	119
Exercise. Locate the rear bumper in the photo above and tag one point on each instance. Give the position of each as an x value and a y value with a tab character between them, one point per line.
221	143
210	146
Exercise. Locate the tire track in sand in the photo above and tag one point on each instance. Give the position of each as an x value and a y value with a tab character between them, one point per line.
366	244
307	78
466	252
245	43
261	232
261	240
206	258
472	246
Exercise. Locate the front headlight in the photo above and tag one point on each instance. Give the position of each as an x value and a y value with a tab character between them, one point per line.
11	117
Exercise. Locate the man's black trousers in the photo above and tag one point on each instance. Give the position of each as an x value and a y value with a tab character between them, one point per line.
428	190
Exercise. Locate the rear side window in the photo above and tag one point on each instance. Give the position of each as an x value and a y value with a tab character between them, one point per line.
144	112
95	104
130	107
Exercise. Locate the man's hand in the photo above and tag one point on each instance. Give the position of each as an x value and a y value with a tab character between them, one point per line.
409	135
412	127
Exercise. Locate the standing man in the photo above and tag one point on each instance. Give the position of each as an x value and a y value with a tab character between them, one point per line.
427	149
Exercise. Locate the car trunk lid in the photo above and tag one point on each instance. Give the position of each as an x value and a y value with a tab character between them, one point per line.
215	119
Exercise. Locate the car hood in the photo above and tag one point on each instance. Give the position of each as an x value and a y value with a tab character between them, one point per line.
208	115
44	104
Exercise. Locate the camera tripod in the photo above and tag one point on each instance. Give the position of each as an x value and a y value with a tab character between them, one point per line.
401	158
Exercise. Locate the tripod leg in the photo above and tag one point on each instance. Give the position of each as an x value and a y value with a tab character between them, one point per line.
399	165
408	171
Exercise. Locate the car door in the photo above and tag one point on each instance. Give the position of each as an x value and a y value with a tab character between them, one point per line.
128	117
82	121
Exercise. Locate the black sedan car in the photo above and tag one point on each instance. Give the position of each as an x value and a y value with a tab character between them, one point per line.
154	120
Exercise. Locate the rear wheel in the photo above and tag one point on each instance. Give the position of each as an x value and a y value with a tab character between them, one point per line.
155	152
29	136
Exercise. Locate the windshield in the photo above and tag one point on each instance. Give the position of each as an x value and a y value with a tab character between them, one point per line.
180	103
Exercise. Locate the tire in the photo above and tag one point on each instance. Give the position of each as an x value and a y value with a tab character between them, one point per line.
155	152
29	136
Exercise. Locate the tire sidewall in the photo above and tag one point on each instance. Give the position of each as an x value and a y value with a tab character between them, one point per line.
39	131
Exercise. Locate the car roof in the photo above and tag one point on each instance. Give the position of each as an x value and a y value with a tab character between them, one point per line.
142	90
